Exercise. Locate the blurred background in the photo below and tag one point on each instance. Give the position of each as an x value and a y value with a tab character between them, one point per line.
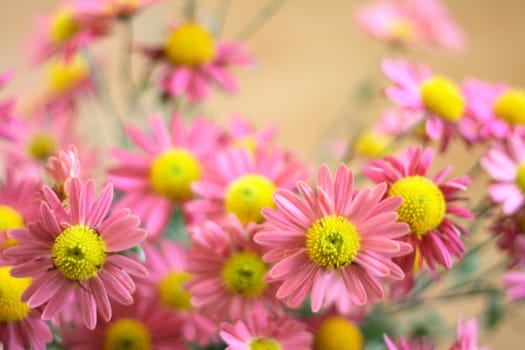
312	64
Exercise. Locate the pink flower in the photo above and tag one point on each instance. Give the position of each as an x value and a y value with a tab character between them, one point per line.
262	331
436	99
65	166
511	232
20	326
166	280
514	281
228	271
156	182
427	202
74	249
192	61
412	344
505	163
142	325
411	22
107	9
467	333
335	243
241	133
242	183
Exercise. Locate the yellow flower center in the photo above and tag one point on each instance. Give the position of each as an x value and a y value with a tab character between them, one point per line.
332	242
247	195
63	27
41	146
173	173
190	45
402	30
337	333
264	344
372	145
12	309
520	177
423	206
127	334
172	294
243	274
9	218
79	252
443	98
65	75
510	107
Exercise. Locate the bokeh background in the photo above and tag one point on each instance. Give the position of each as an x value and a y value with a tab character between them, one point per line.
312	62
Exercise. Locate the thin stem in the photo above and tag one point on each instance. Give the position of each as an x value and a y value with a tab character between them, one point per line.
190	10
222	14
259	20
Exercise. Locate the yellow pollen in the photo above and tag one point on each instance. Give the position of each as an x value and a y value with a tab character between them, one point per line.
337	333
79	253
423	206
190	45
66	75
127	334
173	172
243	274
41	146
332	242
402	30
248	195
264	344
172	294
12	309
9	218
372	145
443	98
63	27
520	177
510	107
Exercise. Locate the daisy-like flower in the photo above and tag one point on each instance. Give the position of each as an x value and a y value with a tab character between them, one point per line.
192	60
156	182
241	133
261	331
242	183
20	326
228	271
467	336
437	100
514	281
337	333
104	9
426	203
167	274
505	163
511	232
423	343
142	325
335	243
411	22
74	249
65	166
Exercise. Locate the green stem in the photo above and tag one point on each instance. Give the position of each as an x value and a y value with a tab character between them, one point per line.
259	20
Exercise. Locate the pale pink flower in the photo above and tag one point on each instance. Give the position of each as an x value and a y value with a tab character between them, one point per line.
427	203
74	249
161	178
263	331
191	61
65	166
514	281
505	163
99	10
335	243
242	133
467	336
437	100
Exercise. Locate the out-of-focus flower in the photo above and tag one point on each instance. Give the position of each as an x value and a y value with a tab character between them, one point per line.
20	326
514	281
411	22
167	268
372	144
412	344
335	243
505	163
192	61
262	331
337	333
242	134
437	100
426	203
74	248
156	182
467	336
108	9
241	183
511	232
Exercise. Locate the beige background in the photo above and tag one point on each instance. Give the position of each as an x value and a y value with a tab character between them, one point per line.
311	58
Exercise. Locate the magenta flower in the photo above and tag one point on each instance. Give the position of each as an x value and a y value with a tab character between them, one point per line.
514	281
467	336
100	10
511	232
74	249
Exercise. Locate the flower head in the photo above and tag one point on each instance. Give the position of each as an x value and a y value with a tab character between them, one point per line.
100	10
511	232
335	243
514	281
337	333
467	336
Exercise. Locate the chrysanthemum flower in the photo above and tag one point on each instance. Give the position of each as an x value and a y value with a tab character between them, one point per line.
242	183
511	232
65	166
335	243
426	203
411	22
73	249
142	325
437	99
192	60
260	331
241	133
505	163
514	281
104	9
167	268
228	271
467	336
156	182
20	326
337	333
422	343
372	143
